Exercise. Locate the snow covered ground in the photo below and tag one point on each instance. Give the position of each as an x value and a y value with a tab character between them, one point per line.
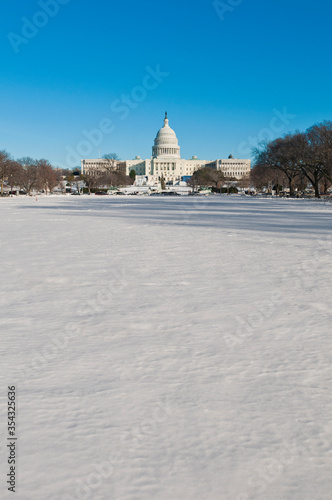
168	348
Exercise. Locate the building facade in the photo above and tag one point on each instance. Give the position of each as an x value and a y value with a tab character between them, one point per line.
166	162
232	167
101	166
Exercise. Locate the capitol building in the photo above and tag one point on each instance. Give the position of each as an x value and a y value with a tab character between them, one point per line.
166	162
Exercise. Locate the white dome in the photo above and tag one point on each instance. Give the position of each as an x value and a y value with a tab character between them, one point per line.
166	145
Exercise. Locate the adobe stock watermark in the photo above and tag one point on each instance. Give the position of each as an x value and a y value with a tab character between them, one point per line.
269	470
261	311
103	468
30	27
283	460
301	275
278	123
225	7
121	108
87	310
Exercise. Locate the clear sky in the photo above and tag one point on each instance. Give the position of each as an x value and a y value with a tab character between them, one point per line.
259	69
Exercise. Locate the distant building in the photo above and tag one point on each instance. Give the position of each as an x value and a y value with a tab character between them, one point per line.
101	166
166	161
232	167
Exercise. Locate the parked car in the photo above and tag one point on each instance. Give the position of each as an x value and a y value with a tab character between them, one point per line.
170	193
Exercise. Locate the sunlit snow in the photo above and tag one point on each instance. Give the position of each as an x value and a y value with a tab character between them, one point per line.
168	348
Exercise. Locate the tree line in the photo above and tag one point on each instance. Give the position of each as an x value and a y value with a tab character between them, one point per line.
106	179
296	159
29	174
217	180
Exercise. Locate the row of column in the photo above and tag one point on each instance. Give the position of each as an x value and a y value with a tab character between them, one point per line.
167	151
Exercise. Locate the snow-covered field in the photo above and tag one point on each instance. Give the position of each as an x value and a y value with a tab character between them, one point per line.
168	348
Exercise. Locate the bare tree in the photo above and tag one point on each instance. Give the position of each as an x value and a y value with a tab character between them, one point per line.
216	177
309	162
281	155
14	175
111	163
229	181
208	177
244	182
70	178
193	183
325	185
122	179
91	181
28	173
106	179
111	156
312	152
5	166
307	154
112	178
47	178
262	175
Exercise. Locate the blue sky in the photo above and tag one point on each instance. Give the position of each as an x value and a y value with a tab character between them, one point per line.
261	69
